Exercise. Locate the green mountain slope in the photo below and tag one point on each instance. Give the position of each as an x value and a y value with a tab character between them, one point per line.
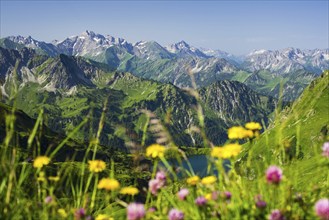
267	83
45	139
296	136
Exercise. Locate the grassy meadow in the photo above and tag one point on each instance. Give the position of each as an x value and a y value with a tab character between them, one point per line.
275	172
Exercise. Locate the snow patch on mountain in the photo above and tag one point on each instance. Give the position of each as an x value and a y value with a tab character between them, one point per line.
256	52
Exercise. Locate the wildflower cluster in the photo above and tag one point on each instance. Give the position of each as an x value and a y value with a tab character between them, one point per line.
193	180
183	193
230	150
158	182
219	193
155	151
322	209
226	152
129	190
273	174
250	130
96	166
41	161
135	211
208	180
108	184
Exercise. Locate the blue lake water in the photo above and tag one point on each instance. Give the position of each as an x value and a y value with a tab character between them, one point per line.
199	165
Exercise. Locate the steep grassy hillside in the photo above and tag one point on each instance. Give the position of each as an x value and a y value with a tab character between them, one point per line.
291	84
295	137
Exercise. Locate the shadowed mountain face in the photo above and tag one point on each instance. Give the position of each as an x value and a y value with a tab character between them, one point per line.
10	59
174	63
46	138
71	88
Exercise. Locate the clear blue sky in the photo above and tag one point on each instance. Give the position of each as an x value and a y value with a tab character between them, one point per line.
233	26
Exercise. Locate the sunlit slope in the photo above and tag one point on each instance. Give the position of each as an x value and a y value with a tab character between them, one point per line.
295	138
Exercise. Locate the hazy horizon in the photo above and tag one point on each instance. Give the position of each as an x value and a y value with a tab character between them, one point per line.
237	27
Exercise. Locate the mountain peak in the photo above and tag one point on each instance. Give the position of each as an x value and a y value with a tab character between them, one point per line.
140	43
183	43
22	40
150	50
93	36
184	49
88	33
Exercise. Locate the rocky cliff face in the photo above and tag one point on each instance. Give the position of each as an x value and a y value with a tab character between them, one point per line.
235	102
10	59
66	72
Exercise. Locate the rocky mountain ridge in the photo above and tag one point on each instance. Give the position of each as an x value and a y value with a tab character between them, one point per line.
88	43
175	63
287	60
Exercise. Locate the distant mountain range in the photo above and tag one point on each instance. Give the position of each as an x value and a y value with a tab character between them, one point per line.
262	70
69	88
287	60
91	44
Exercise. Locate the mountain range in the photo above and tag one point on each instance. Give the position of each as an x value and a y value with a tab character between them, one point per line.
94	75
69	88
268	70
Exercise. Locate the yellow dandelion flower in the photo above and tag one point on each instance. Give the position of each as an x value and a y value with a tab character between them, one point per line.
54	178
208	180
96	166
248	134
216	152
62	213
40	161
208	196
233	149
253	126
103	217
155	150
108	184
235	132
129	190
193	180
228	151
238	132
